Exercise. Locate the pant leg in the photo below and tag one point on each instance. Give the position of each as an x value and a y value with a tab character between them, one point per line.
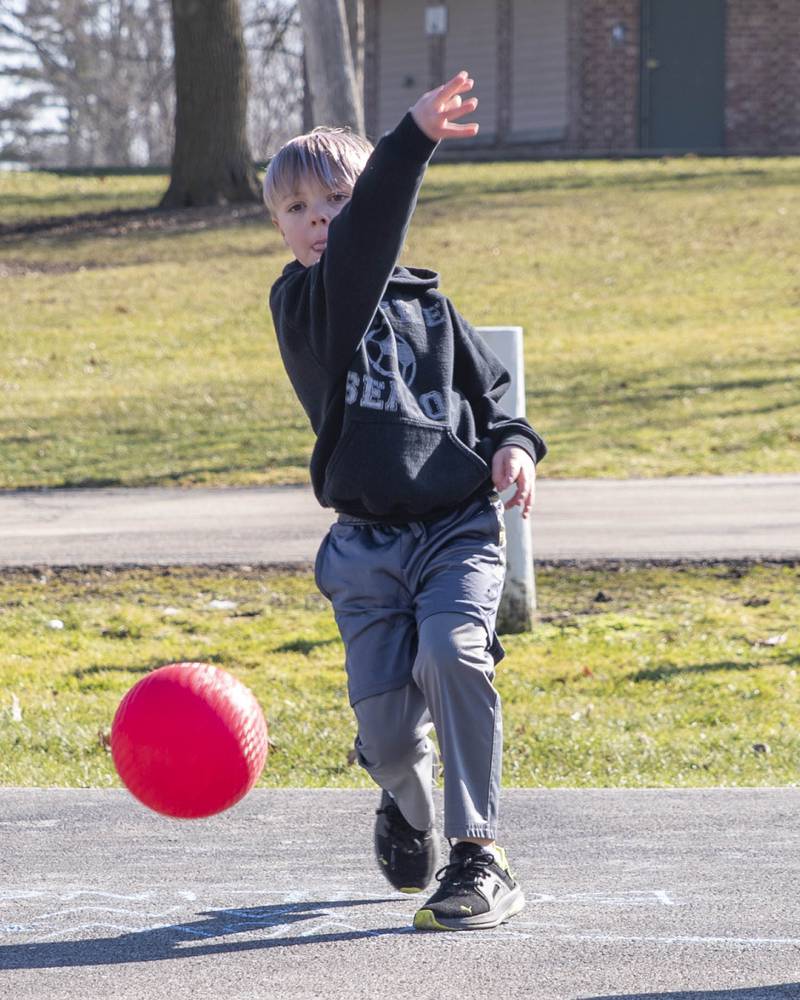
393	747
361	570
454	670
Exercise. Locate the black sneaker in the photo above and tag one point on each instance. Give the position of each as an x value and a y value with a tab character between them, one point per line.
407	857
477	891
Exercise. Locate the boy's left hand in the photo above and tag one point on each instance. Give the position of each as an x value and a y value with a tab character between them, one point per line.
514	465
436	111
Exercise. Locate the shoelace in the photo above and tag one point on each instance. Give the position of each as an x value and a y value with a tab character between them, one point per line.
400	830
471	869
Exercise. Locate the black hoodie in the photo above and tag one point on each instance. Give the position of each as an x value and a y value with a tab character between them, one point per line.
401	392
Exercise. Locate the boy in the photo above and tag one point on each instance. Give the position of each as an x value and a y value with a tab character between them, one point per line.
411	446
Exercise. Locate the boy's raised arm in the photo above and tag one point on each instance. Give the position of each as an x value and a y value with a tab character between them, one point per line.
335	300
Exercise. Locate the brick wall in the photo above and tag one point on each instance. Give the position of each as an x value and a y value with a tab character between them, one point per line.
762	75
606	74
762	83
762	78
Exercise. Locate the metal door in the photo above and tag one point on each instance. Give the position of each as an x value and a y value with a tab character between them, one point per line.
683	75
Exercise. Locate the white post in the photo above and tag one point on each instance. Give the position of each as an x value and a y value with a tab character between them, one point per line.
518	603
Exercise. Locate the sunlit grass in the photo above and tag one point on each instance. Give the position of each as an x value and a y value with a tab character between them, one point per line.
634	677
659	301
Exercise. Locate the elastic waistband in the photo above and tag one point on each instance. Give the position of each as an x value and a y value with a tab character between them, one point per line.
417	524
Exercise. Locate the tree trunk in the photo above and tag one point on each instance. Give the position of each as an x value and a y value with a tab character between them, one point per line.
334	97
211	162
308	111
356	30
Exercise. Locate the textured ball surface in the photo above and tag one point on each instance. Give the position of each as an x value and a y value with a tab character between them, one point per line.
189	740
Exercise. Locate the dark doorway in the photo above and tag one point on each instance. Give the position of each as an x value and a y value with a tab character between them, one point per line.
683	75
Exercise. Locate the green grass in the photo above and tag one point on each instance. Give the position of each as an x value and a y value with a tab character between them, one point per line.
659	300
38	196
666	680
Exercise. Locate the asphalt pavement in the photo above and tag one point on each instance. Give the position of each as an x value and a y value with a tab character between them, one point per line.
672	894
694	518
668	894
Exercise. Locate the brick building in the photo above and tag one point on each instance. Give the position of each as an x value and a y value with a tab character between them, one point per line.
597	76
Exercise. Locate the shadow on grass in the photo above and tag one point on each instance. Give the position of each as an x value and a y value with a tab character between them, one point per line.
152	221
90	482
647	401
109	668
304	646
113	196
145	226
159	943
96	222
645	397
193	475
22	267
668	671
639	181
121	222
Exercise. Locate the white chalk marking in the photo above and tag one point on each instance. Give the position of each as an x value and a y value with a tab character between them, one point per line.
538	923
320	920
103	909
99	925
35	823
688	939
521	930
262	917
73	894
632	897
184	928
332	926
293	896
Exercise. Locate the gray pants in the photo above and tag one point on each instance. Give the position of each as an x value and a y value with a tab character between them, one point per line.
416	606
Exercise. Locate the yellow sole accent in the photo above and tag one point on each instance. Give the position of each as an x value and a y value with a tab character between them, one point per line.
424	920
410	891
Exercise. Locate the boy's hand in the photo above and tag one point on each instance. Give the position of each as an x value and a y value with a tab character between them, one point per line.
435	111
515	465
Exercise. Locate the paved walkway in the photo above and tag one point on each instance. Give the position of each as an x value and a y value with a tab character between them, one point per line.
677	518
669	894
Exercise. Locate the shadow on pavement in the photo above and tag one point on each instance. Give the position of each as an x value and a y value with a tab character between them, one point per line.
785	991
285	924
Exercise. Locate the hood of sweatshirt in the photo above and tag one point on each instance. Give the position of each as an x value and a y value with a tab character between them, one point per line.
415	277
419	278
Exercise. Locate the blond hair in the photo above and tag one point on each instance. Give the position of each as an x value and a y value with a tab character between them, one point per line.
333	157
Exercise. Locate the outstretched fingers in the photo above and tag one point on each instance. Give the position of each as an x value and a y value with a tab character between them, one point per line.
437	110
449	127
459	84
455	108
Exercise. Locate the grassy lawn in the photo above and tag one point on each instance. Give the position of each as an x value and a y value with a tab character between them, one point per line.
659	300
635	676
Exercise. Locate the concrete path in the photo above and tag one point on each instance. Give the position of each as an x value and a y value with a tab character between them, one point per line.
675	518
634	894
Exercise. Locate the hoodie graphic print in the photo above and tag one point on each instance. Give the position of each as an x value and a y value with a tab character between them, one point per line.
402	393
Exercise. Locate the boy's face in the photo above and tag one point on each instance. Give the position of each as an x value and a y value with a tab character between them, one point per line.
303	217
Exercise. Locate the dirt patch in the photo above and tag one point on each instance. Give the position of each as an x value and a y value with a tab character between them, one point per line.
19	268
113	224
124	222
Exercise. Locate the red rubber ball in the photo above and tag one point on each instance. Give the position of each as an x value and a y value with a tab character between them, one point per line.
189	740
